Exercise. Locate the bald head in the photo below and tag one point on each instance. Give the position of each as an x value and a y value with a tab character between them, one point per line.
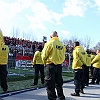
54	34
98	51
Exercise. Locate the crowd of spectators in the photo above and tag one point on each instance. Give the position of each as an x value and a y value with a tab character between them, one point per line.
18	46
21	46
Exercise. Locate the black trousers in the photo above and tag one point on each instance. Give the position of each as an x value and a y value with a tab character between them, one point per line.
54	80
86	76
38	68
78	80
3	77
96	75
91	70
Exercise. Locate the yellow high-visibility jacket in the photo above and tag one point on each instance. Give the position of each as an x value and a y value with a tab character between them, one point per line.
92	57
53	52
37	59
3	51
88	60
79	57
96	61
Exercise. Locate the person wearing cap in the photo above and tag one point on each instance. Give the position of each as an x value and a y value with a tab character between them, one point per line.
96	72
78	65
53	55
38	66
3	63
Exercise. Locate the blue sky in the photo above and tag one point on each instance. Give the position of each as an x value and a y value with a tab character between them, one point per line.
38	18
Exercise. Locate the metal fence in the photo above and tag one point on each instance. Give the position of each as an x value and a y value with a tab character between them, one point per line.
23	67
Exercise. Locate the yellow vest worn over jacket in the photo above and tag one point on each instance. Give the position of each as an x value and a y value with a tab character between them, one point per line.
37	59
53	52
96	61
88	60
79	57
3	51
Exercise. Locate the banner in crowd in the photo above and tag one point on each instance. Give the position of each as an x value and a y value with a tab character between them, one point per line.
20	57
23	61
26	61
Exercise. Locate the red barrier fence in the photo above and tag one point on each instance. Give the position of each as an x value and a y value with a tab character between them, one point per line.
20	57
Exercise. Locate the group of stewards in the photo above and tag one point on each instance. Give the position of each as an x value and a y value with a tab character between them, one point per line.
52	55
84	62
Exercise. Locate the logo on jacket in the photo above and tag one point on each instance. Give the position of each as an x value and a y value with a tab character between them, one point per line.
83	53
3	48
59	47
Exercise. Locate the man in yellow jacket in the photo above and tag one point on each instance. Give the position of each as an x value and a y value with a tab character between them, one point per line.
79	63
38	66
96	72
86	70
3	63
53	55
92	57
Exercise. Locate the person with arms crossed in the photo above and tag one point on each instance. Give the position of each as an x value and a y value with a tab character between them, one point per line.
53	55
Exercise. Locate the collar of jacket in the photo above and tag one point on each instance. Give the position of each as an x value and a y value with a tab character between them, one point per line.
77	47
55	38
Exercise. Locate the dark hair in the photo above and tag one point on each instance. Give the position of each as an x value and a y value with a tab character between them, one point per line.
88	51
40	48
77	43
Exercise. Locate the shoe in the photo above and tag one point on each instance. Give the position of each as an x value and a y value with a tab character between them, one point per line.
63	98
5	92
75	94
86	84
33	85
92	83
97	82
81	91
52	99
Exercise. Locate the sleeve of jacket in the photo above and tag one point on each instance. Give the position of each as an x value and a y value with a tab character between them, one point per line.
34	58
95	59
77	58
46	51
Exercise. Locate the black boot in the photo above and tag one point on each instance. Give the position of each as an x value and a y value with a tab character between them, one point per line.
92	83
81	91
75	94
